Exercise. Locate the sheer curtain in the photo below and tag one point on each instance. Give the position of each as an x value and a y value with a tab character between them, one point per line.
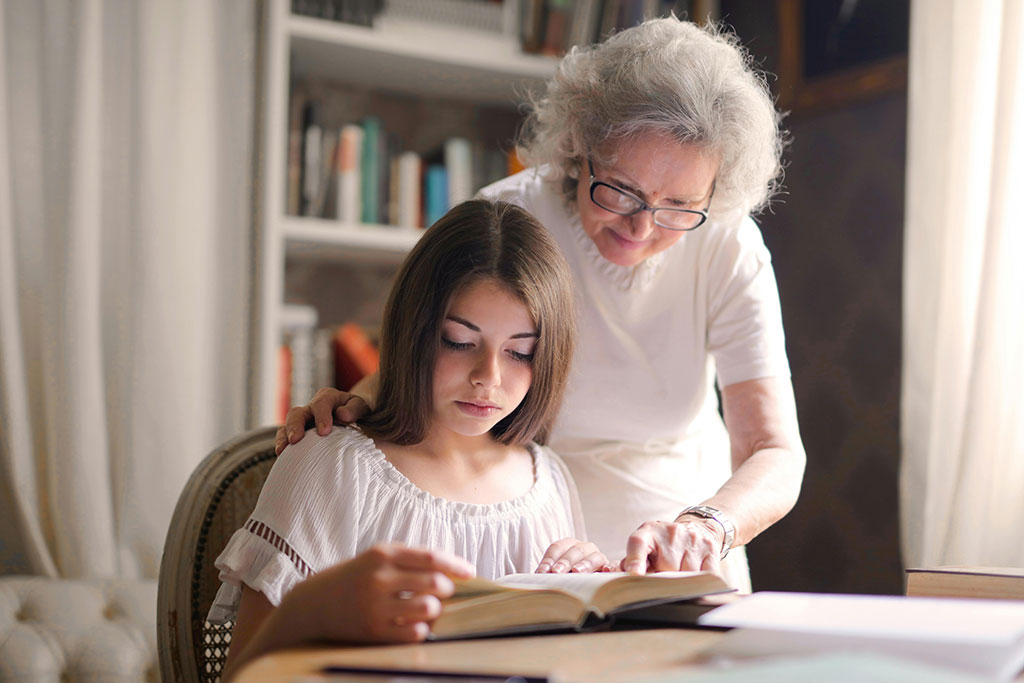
125	166
962	479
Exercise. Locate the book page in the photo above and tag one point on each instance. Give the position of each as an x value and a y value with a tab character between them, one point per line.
583	586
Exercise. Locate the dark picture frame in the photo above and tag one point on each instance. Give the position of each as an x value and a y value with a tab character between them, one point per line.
824	63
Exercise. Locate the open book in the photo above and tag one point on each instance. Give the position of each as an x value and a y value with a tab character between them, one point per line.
540	602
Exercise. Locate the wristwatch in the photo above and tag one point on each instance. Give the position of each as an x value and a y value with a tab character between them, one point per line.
708	512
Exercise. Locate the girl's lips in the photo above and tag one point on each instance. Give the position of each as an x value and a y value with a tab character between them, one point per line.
481	410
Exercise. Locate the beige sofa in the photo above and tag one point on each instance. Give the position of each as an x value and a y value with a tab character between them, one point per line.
70	631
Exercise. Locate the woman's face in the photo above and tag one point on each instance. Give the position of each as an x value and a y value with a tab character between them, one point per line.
484	366
658	170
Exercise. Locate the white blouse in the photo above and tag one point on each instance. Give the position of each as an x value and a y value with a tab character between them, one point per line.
329	498
640	428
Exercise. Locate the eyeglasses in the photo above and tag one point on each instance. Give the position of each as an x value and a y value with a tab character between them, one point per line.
617	200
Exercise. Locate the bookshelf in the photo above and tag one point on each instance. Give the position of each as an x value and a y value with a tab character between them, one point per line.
402	57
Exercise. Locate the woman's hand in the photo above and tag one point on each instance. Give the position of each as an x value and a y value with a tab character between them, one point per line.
572	555
688	544
387	594
327	407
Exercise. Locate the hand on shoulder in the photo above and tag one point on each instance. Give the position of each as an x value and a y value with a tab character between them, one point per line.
329	406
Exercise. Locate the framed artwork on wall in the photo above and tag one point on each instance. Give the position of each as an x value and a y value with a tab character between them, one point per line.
835	52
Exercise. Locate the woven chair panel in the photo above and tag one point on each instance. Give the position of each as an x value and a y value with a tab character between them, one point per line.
229	508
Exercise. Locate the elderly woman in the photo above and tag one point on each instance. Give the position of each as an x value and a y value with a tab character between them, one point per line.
648	153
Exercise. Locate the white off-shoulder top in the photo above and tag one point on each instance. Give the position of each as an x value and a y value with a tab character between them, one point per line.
329	498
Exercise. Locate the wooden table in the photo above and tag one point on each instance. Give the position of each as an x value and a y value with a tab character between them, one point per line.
608	656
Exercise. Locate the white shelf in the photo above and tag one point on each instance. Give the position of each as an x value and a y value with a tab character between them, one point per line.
416	58
320	239
397	56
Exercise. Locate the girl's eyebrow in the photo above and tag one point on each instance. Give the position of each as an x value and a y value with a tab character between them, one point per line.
466	323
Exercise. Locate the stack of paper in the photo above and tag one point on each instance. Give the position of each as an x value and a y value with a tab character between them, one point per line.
984	637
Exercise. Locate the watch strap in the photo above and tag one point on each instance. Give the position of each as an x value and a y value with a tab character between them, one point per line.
716	515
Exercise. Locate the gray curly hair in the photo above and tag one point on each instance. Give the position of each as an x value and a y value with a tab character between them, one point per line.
696	84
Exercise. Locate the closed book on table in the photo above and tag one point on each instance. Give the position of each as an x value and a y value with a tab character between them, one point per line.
999	583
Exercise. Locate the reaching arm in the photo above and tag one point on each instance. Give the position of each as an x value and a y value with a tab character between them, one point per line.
388	594
768	464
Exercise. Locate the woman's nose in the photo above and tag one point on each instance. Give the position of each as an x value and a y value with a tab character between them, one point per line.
641	224
486	373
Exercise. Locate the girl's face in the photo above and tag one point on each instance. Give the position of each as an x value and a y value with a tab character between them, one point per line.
659	171
485	363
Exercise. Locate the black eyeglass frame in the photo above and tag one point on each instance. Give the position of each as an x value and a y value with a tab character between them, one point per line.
644	206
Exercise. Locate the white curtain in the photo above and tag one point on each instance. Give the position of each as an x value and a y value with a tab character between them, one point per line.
125	167
962	479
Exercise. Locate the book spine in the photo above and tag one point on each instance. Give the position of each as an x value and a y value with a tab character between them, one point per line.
409	193
371	170
325	183
350	152
458	159
311	151
557	28
295	117
436	191
355	356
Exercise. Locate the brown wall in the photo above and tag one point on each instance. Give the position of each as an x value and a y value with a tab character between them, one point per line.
836	239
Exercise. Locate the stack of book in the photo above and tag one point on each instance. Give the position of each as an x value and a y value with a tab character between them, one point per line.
359	173
312	357
360	12
553	27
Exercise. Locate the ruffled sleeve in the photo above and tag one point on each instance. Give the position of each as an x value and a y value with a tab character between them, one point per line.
306	519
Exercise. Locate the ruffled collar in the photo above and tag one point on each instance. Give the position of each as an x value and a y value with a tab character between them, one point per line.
627	278
513	508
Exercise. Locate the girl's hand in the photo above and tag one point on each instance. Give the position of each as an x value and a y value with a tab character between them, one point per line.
388	593
572	555
328	406
690	544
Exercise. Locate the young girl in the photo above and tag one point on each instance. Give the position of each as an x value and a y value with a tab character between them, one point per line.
476	342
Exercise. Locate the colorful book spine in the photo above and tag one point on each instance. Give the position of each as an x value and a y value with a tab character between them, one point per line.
371	170
410	194
435	201
458	159
348	174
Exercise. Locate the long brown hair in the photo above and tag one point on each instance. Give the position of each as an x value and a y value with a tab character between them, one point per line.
476	240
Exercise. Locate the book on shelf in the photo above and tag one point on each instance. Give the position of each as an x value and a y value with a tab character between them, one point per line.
360	12
370	185
999	583
355	356
298	323
521	603
347	174
312	148
435	193
296	136
458	160
982	637
409	194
